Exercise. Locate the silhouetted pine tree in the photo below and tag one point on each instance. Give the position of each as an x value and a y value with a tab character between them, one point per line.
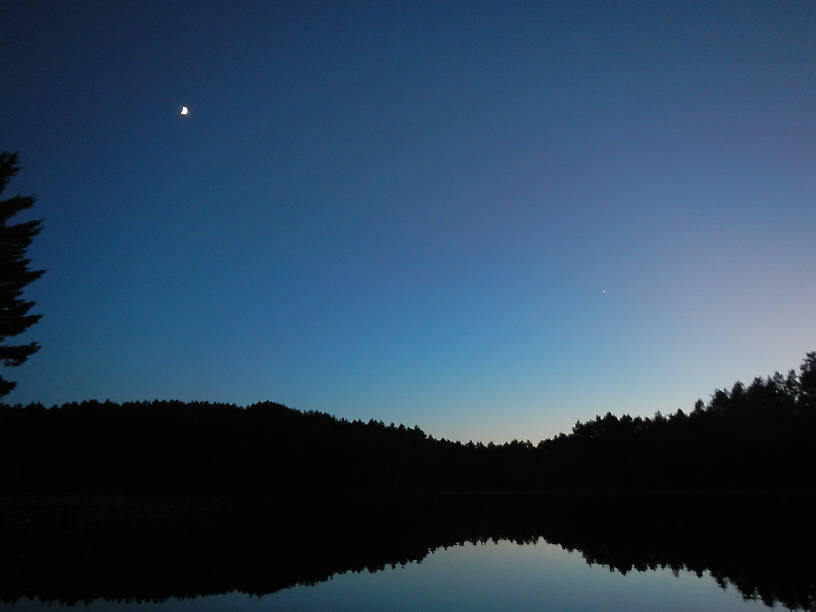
15	273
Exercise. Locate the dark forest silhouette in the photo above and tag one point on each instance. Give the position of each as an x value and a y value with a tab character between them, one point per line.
147	500
757	437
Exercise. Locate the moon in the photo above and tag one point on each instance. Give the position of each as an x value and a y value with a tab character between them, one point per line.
185	111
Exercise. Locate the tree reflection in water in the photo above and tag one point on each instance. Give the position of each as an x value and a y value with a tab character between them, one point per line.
74	550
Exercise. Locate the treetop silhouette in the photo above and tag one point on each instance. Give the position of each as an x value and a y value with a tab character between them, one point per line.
15	273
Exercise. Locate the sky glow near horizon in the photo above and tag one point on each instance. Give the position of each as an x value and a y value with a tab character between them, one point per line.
410	212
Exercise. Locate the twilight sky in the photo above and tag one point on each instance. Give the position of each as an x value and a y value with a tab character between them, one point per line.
411	211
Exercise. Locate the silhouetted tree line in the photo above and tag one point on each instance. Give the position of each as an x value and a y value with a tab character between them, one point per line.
221	449
754	437
75	549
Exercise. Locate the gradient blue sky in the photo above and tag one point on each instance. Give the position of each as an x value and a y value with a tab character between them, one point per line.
409	211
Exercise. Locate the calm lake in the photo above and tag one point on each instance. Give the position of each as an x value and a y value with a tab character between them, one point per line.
425	553
499	575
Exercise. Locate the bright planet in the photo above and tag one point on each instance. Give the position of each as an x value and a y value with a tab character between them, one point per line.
185	110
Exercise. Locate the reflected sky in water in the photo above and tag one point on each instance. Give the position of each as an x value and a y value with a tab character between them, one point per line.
489	576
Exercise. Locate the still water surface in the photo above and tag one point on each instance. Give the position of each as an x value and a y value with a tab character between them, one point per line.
497	575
